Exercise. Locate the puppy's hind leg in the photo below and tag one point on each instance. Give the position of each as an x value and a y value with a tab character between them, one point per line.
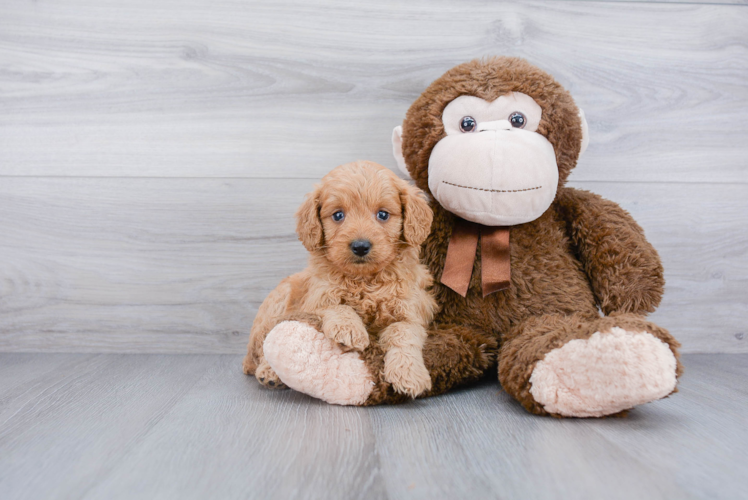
267	377
272	309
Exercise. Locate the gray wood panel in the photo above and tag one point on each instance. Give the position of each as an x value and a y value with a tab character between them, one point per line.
154	265
254	443
174	426
439	454
290	89
71	426
711	398
181	265
133	137
716	2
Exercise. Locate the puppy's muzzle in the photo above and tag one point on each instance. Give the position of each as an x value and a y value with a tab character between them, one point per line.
360	248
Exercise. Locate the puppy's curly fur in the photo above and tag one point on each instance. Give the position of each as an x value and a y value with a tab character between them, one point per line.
380	296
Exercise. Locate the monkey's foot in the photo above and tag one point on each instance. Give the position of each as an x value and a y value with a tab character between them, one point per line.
308	362
604	374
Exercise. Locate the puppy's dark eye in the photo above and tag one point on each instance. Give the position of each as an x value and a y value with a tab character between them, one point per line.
467	124
338	216
517	120
382	215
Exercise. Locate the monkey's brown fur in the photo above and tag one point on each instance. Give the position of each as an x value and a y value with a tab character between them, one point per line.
378	300
582	254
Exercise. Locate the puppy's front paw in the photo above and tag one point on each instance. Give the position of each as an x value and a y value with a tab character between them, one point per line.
407	374
267	377
348	334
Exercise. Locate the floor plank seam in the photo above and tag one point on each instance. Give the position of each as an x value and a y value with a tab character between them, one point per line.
103	475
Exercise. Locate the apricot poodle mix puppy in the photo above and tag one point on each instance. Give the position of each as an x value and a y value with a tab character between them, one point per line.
363	227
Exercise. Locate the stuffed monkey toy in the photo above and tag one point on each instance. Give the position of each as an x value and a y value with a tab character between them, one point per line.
550	283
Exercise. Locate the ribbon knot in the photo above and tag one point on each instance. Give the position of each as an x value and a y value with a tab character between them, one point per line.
495	264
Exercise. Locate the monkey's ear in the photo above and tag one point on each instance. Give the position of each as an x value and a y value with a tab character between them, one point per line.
585	132
308	223
417	214
397	150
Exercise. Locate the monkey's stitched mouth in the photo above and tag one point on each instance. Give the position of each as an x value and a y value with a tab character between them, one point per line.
493	190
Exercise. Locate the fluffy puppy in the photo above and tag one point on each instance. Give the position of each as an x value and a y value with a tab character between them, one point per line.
363	227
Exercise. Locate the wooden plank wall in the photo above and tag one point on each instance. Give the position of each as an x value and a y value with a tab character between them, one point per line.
152	153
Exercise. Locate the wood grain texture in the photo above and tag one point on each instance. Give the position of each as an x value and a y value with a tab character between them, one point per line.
154	265
711	399
71	426
181	265
290	88
174	426
715	2
152	153
255	443
439	454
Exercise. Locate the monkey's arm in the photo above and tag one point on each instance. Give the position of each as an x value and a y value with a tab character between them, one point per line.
623	268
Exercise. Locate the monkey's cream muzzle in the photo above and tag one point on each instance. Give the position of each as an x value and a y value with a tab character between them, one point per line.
493	169
494	174
498	176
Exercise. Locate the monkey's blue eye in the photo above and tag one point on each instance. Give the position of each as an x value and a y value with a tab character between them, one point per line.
338	216
467	124
517	120
382	215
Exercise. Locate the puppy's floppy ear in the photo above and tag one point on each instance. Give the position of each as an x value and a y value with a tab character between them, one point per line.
308	223
417	214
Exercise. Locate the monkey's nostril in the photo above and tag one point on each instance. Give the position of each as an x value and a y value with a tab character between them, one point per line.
360	247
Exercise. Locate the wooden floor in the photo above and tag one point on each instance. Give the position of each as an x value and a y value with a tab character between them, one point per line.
193	426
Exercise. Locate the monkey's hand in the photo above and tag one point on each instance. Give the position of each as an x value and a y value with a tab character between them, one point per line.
623	268
341	324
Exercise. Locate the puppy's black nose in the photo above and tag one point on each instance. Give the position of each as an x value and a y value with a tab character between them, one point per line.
361	247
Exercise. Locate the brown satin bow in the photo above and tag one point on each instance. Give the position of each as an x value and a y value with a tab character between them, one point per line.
494	249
